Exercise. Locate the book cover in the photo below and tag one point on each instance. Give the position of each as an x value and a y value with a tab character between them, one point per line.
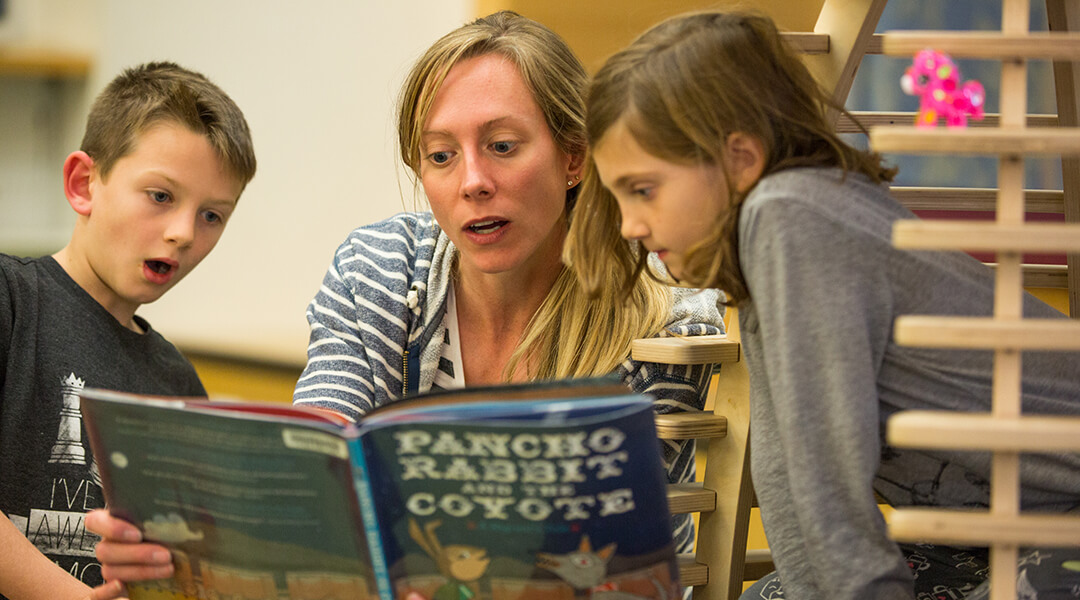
514	492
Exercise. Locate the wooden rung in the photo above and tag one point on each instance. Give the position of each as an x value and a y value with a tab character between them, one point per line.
690	497
874	46
987	333
987	236
691	572
759	563
807	42
1050	45
1044	276
868	119
687	350
980	528
983	431
998	140
974	199
690	425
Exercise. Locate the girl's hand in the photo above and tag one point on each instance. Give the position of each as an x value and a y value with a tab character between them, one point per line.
122	553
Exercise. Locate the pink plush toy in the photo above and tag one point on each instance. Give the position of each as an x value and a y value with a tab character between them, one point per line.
934	78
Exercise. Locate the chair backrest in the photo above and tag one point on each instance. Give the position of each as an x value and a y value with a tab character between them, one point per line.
722	498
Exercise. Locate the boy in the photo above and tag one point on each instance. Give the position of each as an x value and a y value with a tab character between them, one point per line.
162	164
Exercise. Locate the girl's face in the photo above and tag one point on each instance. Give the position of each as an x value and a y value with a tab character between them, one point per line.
492	172
668	207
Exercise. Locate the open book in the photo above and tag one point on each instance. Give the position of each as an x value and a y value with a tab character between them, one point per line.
535	491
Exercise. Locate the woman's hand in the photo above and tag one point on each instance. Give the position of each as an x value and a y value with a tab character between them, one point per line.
122	553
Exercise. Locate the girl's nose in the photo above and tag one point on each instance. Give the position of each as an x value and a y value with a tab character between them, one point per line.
633	228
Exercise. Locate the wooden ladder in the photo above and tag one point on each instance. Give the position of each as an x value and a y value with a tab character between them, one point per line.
1004	431
720	563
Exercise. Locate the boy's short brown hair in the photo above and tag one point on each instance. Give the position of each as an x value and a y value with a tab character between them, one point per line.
154	92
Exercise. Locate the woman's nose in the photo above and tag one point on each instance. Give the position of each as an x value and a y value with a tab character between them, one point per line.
476	181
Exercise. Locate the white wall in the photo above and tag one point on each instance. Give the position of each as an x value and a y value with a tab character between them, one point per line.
316	80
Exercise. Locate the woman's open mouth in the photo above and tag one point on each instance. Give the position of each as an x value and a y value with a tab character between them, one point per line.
486	227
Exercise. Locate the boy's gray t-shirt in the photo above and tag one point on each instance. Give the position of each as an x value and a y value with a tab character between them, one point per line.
54	340
826	285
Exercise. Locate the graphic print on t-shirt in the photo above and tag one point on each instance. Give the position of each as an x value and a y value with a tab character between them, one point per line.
68	447
70	489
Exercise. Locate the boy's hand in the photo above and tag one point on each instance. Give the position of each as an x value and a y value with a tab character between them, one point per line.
112	590
122	553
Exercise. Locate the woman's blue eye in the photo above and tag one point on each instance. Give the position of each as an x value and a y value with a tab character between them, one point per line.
502	147
212	217
159	196
439	157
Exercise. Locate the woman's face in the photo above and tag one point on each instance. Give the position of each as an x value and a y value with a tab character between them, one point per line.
492	172
668	207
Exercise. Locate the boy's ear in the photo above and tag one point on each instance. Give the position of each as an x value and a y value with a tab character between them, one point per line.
78	172
745	159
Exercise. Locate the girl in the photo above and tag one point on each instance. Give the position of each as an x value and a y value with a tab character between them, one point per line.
710	140
491	123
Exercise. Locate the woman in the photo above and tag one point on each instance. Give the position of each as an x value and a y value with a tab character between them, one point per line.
491	123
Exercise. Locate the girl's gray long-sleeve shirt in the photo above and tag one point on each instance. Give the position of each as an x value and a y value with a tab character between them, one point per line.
826	285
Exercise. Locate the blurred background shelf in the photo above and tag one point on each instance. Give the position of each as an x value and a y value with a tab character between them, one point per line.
43	62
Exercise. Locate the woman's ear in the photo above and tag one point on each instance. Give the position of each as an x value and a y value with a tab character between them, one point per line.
744	155
576	166
78	173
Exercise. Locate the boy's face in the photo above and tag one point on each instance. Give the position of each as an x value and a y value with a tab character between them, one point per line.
157	214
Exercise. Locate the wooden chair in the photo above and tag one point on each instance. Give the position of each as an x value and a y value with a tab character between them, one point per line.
1004	431
723	497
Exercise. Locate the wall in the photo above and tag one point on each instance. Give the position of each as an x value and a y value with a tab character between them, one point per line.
316	80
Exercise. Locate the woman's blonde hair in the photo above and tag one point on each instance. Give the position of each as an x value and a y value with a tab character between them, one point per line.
681	88
571	335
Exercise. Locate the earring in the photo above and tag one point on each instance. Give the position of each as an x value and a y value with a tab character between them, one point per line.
569	184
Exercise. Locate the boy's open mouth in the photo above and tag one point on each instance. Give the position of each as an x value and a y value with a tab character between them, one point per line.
158	266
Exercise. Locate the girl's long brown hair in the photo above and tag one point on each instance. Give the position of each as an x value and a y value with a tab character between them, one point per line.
681	88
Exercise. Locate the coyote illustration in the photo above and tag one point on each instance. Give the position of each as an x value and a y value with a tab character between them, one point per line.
586	570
